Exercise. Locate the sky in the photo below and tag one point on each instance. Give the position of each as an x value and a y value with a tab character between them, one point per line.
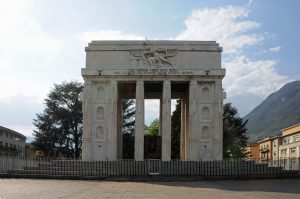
42	43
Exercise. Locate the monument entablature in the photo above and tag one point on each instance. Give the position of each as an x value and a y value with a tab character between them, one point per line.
186	70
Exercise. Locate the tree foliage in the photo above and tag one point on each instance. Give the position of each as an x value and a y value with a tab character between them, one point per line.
59	126
153	129
175	134
234	133
128	116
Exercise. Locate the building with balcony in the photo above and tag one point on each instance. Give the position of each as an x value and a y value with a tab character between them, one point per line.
265	149
289	150
253	152
12	143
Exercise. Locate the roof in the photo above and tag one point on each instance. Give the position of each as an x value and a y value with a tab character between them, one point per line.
290	127
11	131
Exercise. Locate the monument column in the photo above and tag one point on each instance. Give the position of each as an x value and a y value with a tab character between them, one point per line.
120	124
192	139
139	122
166	121
183	130
160	117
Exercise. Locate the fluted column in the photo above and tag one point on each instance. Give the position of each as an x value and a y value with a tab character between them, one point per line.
139	122
193	141
120	124
166	121
160	116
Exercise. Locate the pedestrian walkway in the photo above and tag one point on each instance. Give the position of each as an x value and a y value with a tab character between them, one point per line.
43	189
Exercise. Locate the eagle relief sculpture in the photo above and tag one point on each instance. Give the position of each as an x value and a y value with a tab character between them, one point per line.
155	57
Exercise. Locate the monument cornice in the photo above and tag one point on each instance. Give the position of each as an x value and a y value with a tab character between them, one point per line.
208	46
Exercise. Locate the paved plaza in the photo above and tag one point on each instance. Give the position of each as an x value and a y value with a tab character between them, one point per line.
27	188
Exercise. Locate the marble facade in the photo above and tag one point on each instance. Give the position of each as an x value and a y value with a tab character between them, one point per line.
165	70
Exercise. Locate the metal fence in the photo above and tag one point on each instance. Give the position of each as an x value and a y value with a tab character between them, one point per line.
62	167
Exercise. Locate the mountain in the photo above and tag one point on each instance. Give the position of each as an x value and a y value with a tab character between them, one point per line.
280	110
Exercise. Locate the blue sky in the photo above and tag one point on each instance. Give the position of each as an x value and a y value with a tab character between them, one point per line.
42	42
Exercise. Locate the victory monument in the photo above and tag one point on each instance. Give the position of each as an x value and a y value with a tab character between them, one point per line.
186	70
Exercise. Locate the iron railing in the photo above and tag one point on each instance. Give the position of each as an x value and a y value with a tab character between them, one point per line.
69	167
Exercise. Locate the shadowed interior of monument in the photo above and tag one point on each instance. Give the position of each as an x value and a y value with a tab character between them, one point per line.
174	142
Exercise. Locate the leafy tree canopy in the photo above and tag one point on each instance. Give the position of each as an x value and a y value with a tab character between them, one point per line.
234	133
59	127
153	129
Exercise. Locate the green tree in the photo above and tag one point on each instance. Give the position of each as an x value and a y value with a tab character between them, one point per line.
234	133
59	126
175	133
153	129
128	116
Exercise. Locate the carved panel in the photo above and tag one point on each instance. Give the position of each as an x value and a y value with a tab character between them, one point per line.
100	113
205	132
100	151
100	92
100	132
205	151
205	113
205	93
159	57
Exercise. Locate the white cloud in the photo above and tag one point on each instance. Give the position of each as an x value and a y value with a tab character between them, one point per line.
275	49
230	27
255	77
109	35
30	57
225	25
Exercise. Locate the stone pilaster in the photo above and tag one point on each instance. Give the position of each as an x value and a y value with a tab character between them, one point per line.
112	122
139	122
166	121
87	122
218	121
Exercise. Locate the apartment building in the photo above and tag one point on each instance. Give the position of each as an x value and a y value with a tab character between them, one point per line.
12	143
289	150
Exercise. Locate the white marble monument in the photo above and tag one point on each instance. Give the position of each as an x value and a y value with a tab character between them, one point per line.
165	70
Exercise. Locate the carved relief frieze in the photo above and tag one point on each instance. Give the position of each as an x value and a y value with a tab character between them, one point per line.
150	57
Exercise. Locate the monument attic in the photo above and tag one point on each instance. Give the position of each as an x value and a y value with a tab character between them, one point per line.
186	70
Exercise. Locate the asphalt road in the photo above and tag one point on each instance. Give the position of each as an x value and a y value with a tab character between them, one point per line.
31	188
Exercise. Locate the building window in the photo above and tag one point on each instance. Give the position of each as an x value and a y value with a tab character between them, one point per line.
293	150
283	152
